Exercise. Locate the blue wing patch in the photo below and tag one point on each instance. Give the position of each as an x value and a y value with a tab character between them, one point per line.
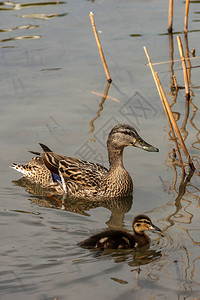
55	177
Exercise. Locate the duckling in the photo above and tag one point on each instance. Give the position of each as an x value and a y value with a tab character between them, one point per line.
79	178
118	239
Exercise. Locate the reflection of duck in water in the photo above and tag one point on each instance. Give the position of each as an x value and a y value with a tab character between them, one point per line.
80	178
40	196
138	257
117	239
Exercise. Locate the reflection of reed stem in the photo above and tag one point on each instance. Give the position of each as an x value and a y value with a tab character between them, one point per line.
100	107
183	127
169	111
170	16
100	48
188	58
172	79
186	15
181	193
184	67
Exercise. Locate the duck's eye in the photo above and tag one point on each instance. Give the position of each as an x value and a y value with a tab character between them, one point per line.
138	225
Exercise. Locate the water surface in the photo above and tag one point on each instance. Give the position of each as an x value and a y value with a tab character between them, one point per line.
52	87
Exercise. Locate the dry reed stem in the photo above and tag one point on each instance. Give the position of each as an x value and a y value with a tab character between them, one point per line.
162	96
186	15
169	111
170	16
187	91
151	67
100	48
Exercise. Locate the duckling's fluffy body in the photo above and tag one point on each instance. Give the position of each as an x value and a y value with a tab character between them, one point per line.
117	239
110	239
80	178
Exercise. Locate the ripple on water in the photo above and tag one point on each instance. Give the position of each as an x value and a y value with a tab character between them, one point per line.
42	16
11	5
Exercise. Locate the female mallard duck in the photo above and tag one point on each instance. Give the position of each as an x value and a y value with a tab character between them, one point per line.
118	239
80	178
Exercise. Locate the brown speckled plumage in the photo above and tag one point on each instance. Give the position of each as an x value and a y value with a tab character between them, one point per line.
80	178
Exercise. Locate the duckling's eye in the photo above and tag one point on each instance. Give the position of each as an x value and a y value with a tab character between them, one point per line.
138	225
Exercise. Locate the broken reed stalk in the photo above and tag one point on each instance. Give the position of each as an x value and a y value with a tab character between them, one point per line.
170	16
162	96
175	82
169	111
100	48
174	60
187	91
186	15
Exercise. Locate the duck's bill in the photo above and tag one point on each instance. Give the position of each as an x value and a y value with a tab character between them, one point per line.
140	143
153	227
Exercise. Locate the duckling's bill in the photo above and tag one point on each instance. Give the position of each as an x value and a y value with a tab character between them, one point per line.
154	227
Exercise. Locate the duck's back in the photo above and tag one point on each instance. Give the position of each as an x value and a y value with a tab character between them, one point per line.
109	239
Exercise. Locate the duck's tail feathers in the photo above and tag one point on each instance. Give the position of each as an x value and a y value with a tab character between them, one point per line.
34	152
45	148
21	168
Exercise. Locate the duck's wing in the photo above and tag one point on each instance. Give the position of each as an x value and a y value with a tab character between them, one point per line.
51	161
83	173
75	172
109	239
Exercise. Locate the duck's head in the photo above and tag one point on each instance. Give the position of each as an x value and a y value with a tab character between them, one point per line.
142	223
123	135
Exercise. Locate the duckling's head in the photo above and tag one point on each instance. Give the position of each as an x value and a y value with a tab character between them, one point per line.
123	135
142	223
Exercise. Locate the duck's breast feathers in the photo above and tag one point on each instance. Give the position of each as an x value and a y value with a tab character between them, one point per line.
109	239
